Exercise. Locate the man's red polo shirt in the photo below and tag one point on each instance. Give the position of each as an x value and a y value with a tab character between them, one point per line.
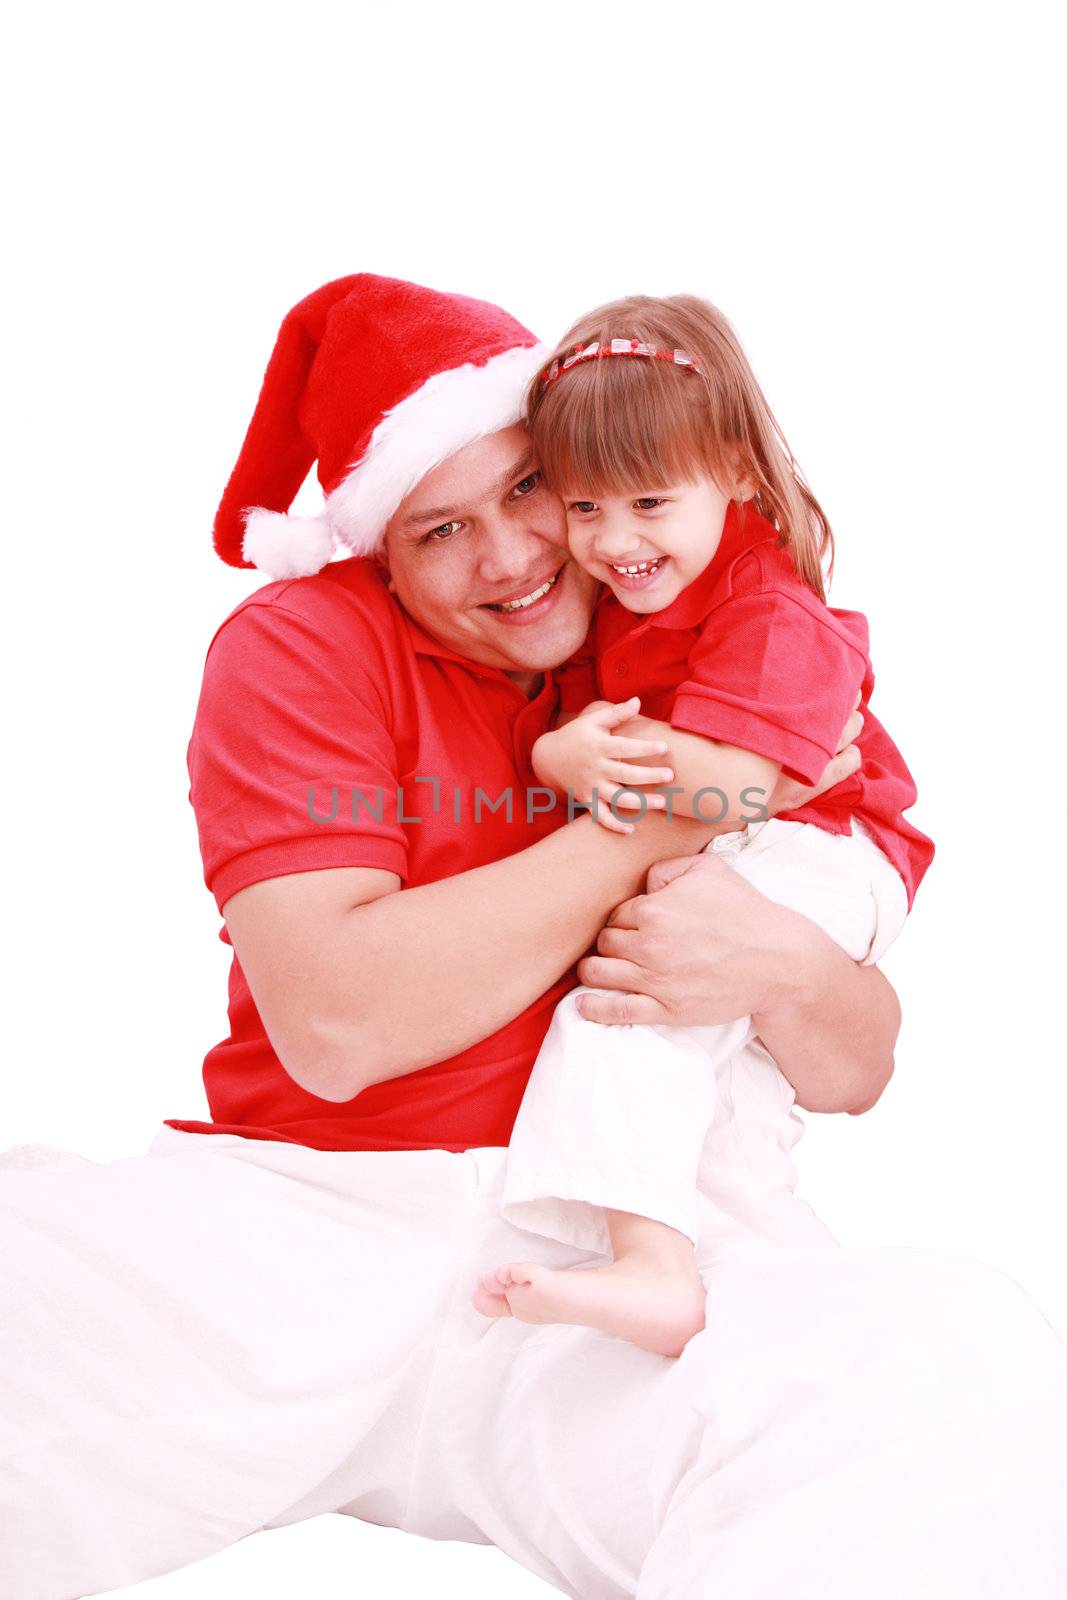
325	685
748	655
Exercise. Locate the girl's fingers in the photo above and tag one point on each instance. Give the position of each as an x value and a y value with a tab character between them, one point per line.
844	764
624	773
851	731
613	824
634	749
611	716
637	802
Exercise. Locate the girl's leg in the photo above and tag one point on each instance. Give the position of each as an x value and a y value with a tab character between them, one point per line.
628	1122
605	1156
614	1117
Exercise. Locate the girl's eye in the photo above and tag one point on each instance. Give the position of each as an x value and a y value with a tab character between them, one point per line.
439	535
583	507
527	485
648	502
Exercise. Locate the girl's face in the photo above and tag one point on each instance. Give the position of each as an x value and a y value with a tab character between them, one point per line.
648	546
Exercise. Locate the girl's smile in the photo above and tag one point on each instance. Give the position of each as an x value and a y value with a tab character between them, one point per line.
636	575
648	546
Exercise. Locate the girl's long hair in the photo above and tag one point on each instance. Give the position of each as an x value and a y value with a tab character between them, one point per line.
628	423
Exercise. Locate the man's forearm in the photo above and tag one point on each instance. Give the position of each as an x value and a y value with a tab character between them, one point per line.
419	975
834	1030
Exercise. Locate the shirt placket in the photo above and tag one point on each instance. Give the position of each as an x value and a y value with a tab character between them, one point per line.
618	664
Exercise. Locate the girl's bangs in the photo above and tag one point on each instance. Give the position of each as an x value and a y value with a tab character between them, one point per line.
620	425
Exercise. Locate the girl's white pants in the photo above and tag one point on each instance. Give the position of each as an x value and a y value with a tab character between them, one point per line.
693	1127
225	1334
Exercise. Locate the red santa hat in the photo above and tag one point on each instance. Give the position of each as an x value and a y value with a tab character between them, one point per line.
378	381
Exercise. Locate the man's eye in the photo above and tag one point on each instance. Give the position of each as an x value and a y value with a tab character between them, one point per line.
439	535
527	485
649	502
583	507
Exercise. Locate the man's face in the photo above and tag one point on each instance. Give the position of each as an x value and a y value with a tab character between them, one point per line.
477	555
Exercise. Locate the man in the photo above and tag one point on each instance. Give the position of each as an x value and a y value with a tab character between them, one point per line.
267	1316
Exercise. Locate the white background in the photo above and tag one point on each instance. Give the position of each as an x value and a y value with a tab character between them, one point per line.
872	202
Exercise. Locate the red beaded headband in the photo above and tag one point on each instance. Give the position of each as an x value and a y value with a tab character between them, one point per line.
618	347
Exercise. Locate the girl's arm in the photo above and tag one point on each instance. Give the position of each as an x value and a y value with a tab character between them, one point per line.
714	781
607	745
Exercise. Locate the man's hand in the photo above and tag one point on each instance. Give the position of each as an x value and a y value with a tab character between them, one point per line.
702	946
714	948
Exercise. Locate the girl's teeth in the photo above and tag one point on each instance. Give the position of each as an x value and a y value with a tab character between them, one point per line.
638	567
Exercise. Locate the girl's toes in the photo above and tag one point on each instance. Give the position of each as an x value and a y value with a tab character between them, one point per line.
490	1302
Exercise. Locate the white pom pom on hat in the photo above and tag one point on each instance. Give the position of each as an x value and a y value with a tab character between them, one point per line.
378	381
284	546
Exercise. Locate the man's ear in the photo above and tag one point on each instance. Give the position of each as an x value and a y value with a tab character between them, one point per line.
382	561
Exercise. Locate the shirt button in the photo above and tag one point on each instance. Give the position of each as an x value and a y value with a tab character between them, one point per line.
621	669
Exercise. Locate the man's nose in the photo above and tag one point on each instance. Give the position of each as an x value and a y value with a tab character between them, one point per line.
507	550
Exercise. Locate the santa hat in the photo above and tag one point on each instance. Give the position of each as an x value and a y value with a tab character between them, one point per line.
378	381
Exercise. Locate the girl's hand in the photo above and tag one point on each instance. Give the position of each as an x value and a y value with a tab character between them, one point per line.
585	758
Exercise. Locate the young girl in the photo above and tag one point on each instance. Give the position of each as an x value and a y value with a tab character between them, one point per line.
684	499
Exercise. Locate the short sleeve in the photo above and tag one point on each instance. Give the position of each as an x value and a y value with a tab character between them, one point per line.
777	676
292	764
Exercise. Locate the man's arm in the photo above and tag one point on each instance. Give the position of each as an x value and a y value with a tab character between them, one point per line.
834	1039
357	983
344	1009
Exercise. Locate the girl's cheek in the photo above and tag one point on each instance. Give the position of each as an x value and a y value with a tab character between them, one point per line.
576	544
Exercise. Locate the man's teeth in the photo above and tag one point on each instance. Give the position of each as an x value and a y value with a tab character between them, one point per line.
527	599
637	568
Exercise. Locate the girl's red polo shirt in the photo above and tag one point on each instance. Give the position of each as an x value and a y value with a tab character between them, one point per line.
748	655
324	684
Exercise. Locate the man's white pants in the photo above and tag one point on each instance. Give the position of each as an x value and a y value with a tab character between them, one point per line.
227	1334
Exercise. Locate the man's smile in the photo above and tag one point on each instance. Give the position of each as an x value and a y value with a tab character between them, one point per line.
531	601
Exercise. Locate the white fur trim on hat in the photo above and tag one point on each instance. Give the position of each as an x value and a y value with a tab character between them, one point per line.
451	410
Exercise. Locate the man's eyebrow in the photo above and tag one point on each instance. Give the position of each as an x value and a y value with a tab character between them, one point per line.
518	469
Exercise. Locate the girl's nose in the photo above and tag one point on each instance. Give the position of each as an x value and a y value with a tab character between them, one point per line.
617	539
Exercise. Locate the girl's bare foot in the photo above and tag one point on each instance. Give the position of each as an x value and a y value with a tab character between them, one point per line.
651	1294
